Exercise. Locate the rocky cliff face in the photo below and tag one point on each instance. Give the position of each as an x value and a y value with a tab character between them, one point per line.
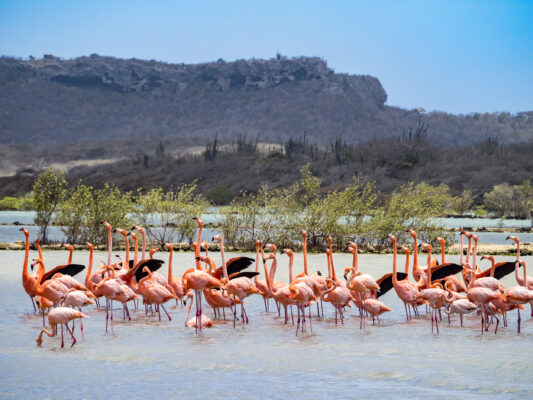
140	76
51	100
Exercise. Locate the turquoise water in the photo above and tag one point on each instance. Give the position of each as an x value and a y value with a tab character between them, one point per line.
145	358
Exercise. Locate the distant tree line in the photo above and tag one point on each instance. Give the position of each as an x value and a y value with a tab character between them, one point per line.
357	212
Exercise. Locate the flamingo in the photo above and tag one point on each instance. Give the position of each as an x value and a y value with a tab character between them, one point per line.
520	294
199	280
77	298
338	296
191	323
434	295
419	273
52	289
281	294
262	285
28	280
61	316
320	283
482	296
43	304
214	297
461	307
177	283
154	293
92	280
375	308
303	295
405	289
239	287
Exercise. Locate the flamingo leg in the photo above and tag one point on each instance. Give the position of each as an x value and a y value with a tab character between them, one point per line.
35	308
158	311
164	309
298	324
310	320
71	334
62	342
224	312
461	317
518	309
279	308
111	306
106	313
234	310
406	315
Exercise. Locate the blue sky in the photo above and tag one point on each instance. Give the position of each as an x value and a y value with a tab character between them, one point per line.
456	56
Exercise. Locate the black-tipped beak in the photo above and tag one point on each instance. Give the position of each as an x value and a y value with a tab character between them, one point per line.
508	237
131	229
114	230
281	251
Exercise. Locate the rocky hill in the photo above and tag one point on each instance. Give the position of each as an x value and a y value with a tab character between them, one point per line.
51	101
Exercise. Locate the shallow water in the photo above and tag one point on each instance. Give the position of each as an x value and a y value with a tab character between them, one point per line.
145	358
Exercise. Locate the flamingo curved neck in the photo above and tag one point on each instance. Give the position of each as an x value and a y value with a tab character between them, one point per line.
25	272
170	277
109	245
306	271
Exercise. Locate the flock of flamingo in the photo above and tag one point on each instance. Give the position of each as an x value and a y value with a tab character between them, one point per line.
434	285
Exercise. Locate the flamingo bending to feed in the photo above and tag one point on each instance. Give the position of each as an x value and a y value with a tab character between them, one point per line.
28	280
461	307
520	294
61	316
405	289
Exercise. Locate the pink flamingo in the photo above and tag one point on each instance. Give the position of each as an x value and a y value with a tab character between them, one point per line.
61	316
520	294
28	280
405	289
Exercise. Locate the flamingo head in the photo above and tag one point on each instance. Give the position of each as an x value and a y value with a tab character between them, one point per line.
168	246
304	234
475	237
122	232
405	249
392	237
513	238
271	247
199	222
441	240
107	225
217	238
426	246
133	235
89	245
412	233
491	258
330	240
289	252
25	231
68	246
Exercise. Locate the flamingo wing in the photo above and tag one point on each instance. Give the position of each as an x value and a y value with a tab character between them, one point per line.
245	274
443	270
69	269
385	282
236	264
152	264
503	269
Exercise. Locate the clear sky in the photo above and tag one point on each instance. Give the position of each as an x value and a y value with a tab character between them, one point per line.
455	55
